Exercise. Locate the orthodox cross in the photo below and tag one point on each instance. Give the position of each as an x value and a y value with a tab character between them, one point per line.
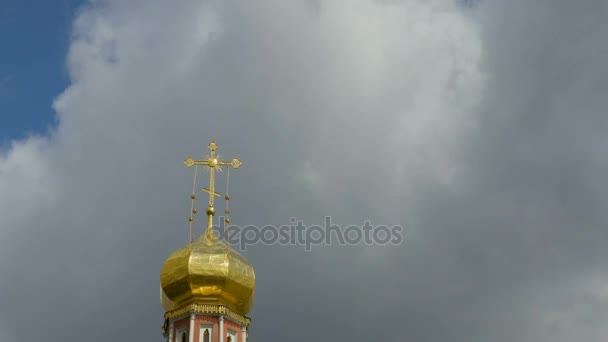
213	162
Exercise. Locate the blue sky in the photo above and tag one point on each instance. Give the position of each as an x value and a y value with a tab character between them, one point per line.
35	37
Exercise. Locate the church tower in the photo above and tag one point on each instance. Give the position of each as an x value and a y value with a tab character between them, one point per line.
207	287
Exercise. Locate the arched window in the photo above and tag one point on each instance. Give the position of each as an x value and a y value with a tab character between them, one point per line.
184	337
206	335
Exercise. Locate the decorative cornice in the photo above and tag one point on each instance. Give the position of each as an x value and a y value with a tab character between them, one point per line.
209	309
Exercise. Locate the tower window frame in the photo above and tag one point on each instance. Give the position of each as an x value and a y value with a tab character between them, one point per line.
205	327
179	334
234	337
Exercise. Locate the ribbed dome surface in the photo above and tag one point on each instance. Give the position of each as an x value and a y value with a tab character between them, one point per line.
208	271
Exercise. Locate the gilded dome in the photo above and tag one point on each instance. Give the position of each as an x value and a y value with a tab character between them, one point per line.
207	271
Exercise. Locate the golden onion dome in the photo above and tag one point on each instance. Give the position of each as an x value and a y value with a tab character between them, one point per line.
208	271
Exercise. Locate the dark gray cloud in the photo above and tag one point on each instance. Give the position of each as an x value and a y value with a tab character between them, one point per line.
480	130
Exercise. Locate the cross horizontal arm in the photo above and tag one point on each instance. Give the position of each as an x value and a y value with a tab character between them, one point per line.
201	162
189	162
235	163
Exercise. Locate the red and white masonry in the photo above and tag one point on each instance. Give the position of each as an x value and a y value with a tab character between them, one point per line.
206	328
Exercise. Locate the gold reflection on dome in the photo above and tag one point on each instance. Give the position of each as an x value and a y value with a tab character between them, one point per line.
208	271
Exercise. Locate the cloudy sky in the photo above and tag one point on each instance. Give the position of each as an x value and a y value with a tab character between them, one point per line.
479	126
